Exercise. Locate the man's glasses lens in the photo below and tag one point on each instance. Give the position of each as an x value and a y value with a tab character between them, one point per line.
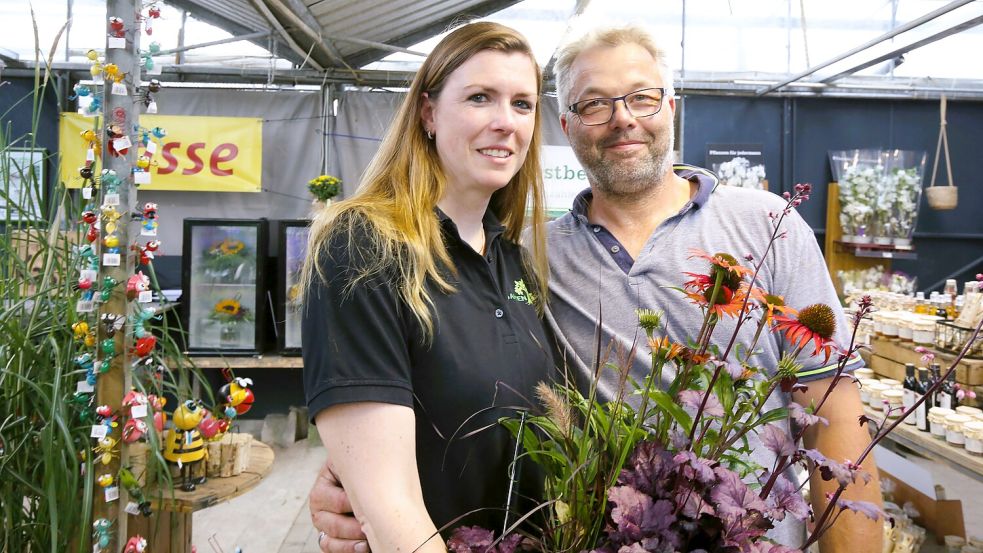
641	103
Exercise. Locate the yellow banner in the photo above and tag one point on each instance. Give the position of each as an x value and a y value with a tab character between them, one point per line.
197	154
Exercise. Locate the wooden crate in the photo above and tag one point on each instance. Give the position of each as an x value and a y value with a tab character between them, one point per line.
969	371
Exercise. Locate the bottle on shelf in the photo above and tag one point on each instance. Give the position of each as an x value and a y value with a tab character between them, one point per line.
936	375
909	385
941	309
921	412
946	395
950	288
921	304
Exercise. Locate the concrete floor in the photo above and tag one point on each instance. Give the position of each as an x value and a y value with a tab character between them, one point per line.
273	517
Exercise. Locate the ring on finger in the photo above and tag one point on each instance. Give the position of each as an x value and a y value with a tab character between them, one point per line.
320	537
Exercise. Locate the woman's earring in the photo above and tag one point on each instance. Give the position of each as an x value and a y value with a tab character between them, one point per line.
429	135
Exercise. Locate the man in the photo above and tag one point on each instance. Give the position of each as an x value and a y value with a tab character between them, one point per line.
627	239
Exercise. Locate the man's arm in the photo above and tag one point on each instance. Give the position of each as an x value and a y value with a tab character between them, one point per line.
843	439
331	513
372	449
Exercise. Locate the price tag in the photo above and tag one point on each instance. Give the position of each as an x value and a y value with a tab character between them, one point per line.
119	89
90	155
138	411
83	387
122	143
111	199
145	297
116	42
112	493
152	107
887	255
98	431
151	147
148	232
141	177
85	306
132	508
87	193
111	259
88	274
156	69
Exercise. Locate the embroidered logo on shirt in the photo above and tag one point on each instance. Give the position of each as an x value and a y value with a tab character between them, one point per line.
521	293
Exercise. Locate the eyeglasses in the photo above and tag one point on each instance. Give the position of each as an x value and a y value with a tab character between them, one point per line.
598	111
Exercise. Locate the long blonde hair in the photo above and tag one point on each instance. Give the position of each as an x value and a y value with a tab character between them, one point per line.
404	181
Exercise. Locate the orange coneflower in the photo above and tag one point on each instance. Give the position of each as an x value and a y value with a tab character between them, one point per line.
727	302
772	303
816	324
725	261
664	349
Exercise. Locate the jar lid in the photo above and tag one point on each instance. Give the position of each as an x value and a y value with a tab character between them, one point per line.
967	410
877	386
956	418
863	372
892	393
889	382
940	411
973	425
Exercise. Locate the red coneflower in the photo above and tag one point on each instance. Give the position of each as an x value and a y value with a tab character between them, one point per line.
664	349
727	301
724	261
816	324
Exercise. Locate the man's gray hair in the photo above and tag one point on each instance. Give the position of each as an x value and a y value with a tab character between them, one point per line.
605	36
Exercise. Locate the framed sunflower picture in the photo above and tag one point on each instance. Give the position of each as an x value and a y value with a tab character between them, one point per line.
224	286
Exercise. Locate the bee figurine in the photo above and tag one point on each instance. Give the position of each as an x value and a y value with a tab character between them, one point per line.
185	446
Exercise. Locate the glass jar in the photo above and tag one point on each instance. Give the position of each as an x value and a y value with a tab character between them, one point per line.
865	384
875	390
974	412
923	332
973	432
891	402
954	429
936	419
863	373
890	382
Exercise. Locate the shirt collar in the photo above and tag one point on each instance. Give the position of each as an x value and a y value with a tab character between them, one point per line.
706	181
493	227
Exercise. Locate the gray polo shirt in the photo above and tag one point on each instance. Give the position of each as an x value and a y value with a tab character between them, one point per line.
593	278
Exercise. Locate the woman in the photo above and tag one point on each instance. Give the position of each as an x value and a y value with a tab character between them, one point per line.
421	308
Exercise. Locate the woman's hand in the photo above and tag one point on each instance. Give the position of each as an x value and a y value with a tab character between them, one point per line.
372	450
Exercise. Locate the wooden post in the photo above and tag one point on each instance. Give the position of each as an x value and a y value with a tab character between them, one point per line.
112	385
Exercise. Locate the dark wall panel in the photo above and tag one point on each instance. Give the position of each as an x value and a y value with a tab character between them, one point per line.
946	241
16	117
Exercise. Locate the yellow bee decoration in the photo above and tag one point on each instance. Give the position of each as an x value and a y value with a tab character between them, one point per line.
105	450
111	241
112	72
185	446
110	215
105	480
92	141
85	334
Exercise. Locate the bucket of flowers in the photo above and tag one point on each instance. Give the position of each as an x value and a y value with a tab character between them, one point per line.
227	260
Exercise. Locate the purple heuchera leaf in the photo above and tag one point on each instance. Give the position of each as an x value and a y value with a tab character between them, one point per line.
732	498
474	539
785	498
636	515
694	468
803	418
649	464
815	456
844	473
768	547
678	439
691	400
691	504
866	508
775	439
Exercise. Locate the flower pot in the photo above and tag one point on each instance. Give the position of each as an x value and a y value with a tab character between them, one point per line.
942	197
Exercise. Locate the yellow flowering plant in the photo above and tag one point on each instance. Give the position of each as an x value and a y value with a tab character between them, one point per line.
324	187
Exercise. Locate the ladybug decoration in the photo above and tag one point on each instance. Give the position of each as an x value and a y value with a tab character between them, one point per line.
116	27
152	14
144	346
147	251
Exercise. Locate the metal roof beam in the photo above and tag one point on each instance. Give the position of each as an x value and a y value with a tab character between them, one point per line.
433	28
886	36
906	48
250	36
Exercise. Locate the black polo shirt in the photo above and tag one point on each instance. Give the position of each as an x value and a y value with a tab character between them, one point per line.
489	349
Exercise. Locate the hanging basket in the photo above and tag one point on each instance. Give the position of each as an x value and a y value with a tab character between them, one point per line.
942	197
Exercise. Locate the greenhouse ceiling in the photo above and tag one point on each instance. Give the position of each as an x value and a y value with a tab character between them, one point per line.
899	48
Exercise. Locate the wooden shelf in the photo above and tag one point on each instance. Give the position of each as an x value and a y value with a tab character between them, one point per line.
933	448
217	490
879	251
271	361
